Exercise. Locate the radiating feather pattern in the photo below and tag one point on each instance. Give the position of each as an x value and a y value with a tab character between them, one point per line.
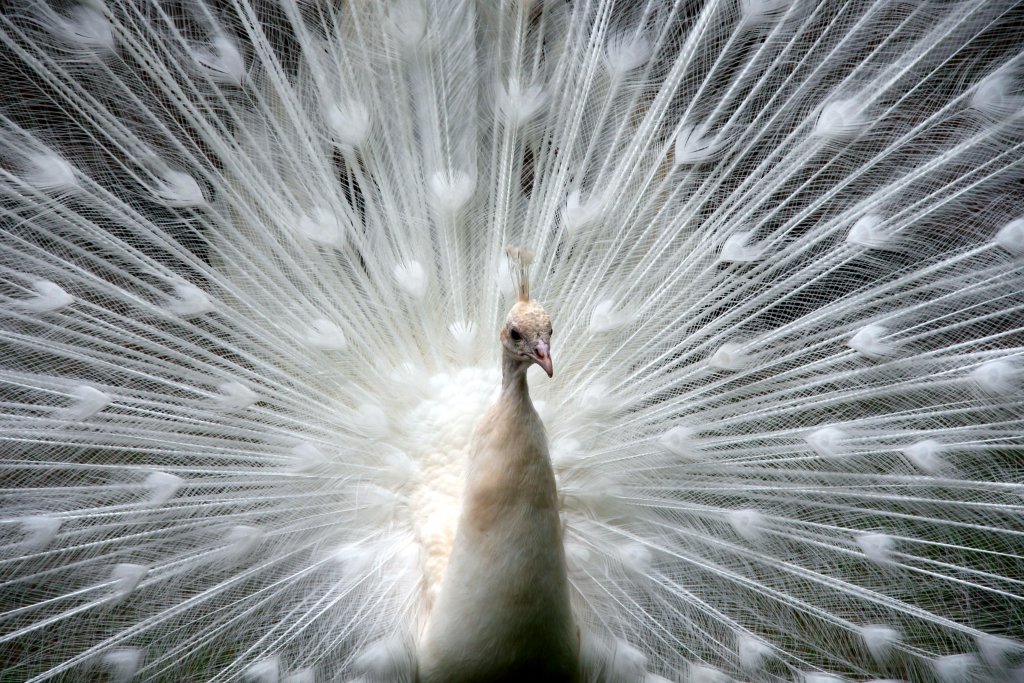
253	269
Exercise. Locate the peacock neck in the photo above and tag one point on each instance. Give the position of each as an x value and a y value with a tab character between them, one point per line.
513	378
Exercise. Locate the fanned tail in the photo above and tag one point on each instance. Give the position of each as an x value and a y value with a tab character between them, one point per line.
251	266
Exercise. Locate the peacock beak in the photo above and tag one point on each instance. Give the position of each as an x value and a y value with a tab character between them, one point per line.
542	356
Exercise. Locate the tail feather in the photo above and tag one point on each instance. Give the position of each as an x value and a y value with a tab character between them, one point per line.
251	271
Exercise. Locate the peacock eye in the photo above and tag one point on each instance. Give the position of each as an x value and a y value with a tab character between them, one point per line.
514	333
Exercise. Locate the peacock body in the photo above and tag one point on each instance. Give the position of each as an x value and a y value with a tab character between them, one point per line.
503	611
253	270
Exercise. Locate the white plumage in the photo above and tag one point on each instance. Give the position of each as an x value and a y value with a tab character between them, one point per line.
252	276
502	610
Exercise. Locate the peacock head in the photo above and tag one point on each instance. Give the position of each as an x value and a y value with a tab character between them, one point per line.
527	334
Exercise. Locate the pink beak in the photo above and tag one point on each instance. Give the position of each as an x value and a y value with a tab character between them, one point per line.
542	356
